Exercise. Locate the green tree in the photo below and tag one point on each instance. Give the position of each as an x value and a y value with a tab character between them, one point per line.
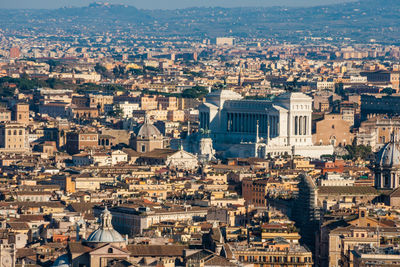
195	92
358	151
263	67
118	71
218	86
53	64
116	112
54	83
89	87
336	106
6	91
388	91
137	71
339	89
100	69
114	87
150	68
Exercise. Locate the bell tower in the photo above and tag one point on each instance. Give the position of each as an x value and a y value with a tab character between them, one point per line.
106	218
21	113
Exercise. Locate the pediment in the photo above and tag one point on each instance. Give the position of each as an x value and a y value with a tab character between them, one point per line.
109	249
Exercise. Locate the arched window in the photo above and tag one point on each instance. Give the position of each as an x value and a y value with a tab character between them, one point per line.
110	250
333	140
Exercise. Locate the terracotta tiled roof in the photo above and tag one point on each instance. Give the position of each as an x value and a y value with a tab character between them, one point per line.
200	255
77	247
81	207
53	204
29	218
156	250
131	152
216	260
18	225
347	190
159	153
32	193
395	193
24	252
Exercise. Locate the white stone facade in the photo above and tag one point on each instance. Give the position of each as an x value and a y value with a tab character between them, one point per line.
260	128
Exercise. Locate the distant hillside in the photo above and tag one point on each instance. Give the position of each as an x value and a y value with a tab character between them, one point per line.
96	11
362	21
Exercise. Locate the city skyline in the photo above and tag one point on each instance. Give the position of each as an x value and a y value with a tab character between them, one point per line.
261	133
161	4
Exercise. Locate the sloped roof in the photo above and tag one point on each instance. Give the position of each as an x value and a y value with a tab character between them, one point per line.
131	152
77	247
347	190
81	207
159	153
216	260
156	250
18	225
26	204
228	251
30	217
210	258
200	255
395	193
24	252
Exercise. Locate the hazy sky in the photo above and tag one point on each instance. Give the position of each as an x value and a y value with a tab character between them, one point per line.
164	4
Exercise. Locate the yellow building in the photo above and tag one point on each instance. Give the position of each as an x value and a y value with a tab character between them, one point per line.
13	137
282	255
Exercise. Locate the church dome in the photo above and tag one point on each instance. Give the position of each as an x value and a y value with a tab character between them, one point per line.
147	130
62	261
389	155
105	236
106	232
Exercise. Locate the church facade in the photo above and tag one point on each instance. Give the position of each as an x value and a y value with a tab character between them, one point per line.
260	128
